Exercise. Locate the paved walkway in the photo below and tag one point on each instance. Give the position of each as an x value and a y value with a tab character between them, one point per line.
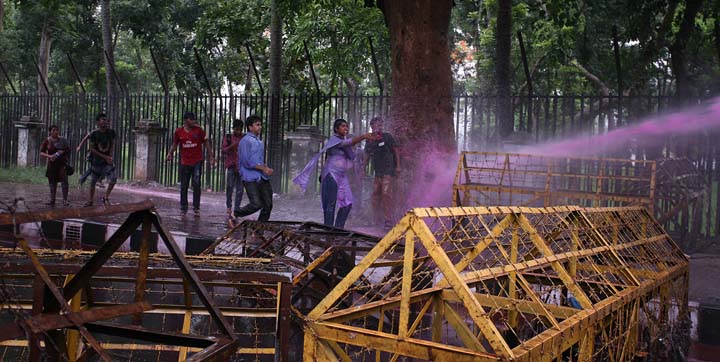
211	223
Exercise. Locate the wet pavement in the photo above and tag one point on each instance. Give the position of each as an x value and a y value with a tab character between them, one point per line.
210	223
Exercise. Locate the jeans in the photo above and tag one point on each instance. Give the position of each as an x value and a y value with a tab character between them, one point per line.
233	182
328	194
382	199
260	196
53	189
187	173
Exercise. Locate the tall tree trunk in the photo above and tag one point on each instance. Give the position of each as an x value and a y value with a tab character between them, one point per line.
421	116
503	44
42	79
275	131
109	59
2	13
678	60
421	105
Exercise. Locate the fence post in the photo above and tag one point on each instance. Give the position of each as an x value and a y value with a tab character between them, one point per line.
147	141
28	145
304	143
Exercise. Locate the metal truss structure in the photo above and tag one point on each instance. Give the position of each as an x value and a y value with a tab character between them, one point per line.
671	188
491	178
509	284
318	256
75	305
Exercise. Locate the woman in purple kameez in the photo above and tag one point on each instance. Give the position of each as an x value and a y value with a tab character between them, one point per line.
335	187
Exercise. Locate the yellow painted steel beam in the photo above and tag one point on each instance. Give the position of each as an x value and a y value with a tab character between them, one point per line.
475	310
406	284
528	265
410	347
486	241
524	306
578	293
459	325
382	246
569	330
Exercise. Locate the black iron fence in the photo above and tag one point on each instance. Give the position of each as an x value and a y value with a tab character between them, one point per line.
538	118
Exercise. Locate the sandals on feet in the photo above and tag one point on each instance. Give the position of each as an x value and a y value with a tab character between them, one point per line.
87	204
106	200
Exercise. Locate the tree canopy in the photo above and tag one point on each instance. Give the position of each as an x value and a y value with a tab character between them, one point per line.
569	45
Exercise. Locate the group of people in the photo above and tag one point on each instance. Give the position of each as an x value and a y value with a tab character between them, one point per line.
56	150
246	171
335	191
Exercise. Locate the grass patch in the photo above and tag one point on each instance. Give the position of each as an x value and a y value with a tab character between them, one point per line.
30	175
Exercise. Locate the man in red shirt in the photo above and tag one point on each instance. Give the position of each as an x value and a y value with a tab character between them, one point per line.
230	150
191	139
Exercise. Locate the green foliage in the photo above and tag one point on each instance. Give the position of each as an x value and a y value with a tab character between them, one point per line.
29	175
557	34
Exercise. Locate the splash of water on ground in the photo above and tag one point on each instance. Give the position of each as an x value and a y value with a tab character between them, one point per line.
647	131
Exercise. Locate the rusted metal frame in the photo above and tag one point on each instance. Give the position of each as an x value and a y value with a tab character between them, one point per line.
475	310
140	333
266	243
342	287
37	307
220	351
187	317
154	274
593	316
459	325
45	322
72	336
84	212
83	276
195	282
142	267
59	298
385	342
579	294
282	329
406	284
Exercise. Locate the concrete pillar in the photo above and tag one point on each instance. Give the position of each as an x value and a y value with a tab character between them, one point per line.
147	143
29	136
304	143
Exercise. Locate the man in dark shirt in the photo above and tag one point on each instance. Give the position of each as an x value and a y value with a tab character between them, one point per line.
102	143
382	151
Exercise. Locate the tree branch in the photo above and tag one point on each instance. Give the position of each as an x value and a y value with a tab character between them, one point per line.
604	89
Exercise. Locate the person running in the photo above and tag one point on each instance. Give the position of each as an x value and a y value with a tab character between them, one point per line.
88	172
254	172
233	182
56	150
102	144
191	138
335	189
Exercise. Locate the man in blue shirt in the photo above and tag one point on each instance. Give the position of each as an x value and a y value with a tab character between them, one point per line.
253	172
